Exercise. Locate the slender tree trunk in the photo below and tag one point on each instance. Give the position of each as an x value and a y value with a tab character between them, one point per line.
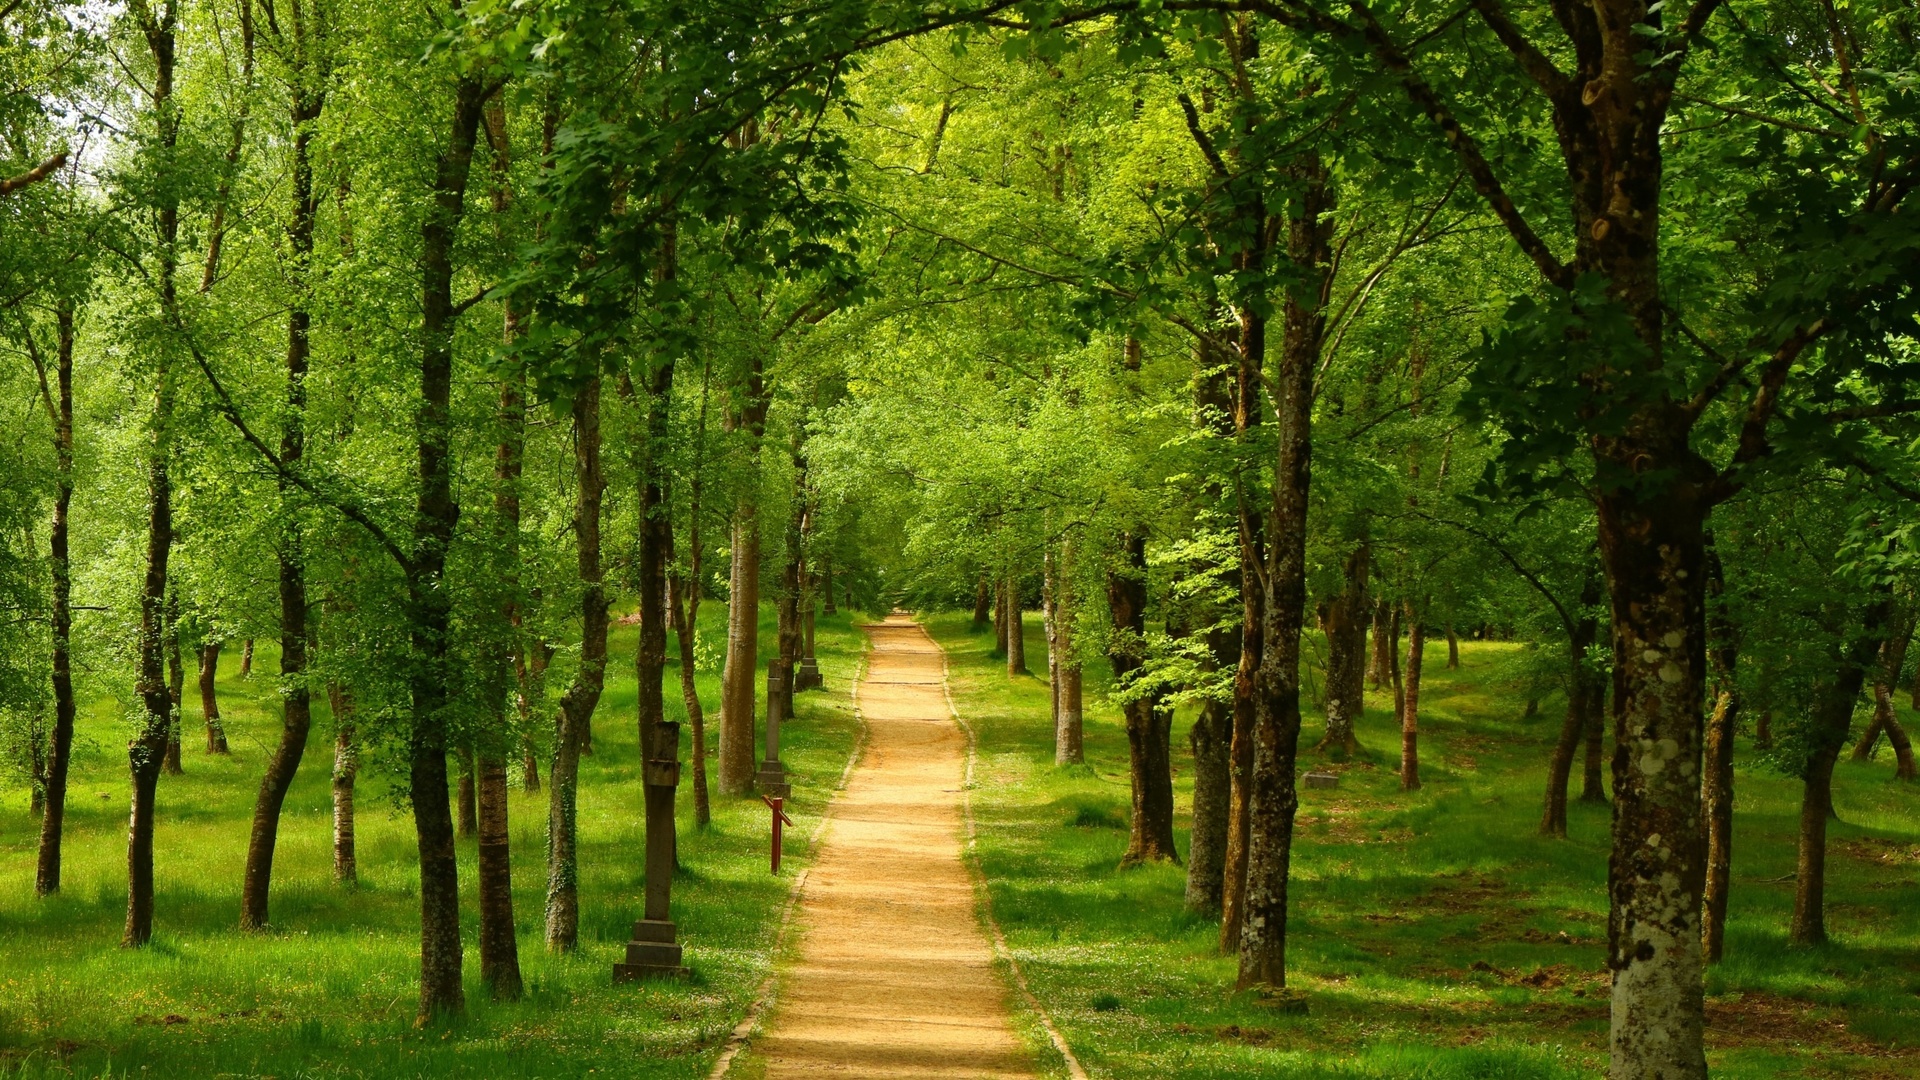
1000	638
1592	788
246	659
1347	655
1016	631
1051	632
1069	743
683	603
176	686
1410	709
1583	708
210	699
1274	797
982	605
1893	657
346	768
441	991
739	677
1716	778
578	703
1453	648
531	670
149	745
1380	659
296	708
1902	746
827	606
1149	727
1211	739
1832	716
793	577
60	751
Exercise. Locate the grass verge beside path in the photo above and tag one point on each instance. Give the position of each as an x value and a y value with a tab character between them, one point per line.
330	991
1435	935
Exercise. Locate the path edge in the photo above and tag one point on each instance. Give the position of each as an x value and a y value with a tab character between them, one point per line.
742	1034
1075	1071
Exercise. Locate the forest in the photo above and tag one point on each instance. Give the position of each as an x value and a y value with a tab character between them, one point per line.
1237	538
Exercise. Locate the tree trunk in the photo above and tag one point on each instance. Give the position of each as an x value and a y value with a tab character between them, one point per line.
210	700
149	744
1893	657
793	577
1592	788
826	586
176	686
1149	727
1716	783
530	668
578	703
1051	632
739	677
1276	726
1069	745
60	753
1832	715
683	603
499	949
1453	648
346	767
1000	618
1211	740
1380	659
1583	709
246	659
295	706
1347	655
982	605
1902	746
466	817
441	991
1410	709
1016	631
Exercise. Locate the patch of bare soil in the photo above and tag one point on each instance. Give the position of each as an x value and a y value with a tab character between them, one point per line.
1770	1020
895	977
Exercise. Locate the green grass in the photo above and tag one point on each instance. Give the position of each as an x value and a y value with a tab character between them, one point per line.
1435	935
331	989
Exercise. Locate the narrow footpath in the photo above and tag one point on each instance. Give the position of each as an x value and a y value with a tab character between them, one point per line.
895	976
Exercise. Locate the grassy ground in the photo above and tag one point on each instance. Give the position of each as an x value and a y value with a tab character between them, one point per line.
1434	934
331	990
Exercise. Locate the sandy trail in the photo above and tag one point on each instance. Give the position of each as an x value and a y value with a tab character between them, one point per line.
895	976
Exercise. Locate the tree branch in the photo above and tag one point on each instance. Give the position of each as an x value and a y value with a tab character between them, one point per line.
34	175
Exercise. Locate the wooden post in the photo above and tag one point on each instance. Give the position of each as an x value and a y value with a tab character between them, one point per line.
654	953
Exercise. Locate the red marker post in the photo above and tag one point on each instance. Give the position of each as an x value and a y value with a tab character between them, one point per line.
779	818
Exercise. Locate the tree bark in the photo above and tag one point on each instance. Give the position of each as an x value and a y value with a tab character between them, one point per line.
295	704
1592	788
210	699
578	703
683	603
1410	708
1583	708
1016	631
148	748
1211	740
60	753
430	607
1380	659
346	767
1453	648
1893	657
1000	618
1149	727
1347	654
982	605
739	677
793	577
1716	785
827	606
246	659
1274	796
1832	715
176	686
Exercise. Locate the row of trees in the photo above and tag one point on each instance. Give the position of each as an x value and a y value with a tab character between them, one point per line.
1215	321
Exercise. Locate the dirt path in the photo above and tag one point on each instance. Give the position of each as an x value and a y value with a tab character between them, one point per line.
895	977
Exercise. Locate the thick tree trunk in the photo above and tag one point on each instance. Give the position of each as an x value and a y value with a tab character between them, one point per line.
1410	708
1016	631
1069	707
210	699
578	703
1347	655
441	991
148	747
295	703
1274	797
982	605
1149	727
1832	716
346	768
499	949
60	751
